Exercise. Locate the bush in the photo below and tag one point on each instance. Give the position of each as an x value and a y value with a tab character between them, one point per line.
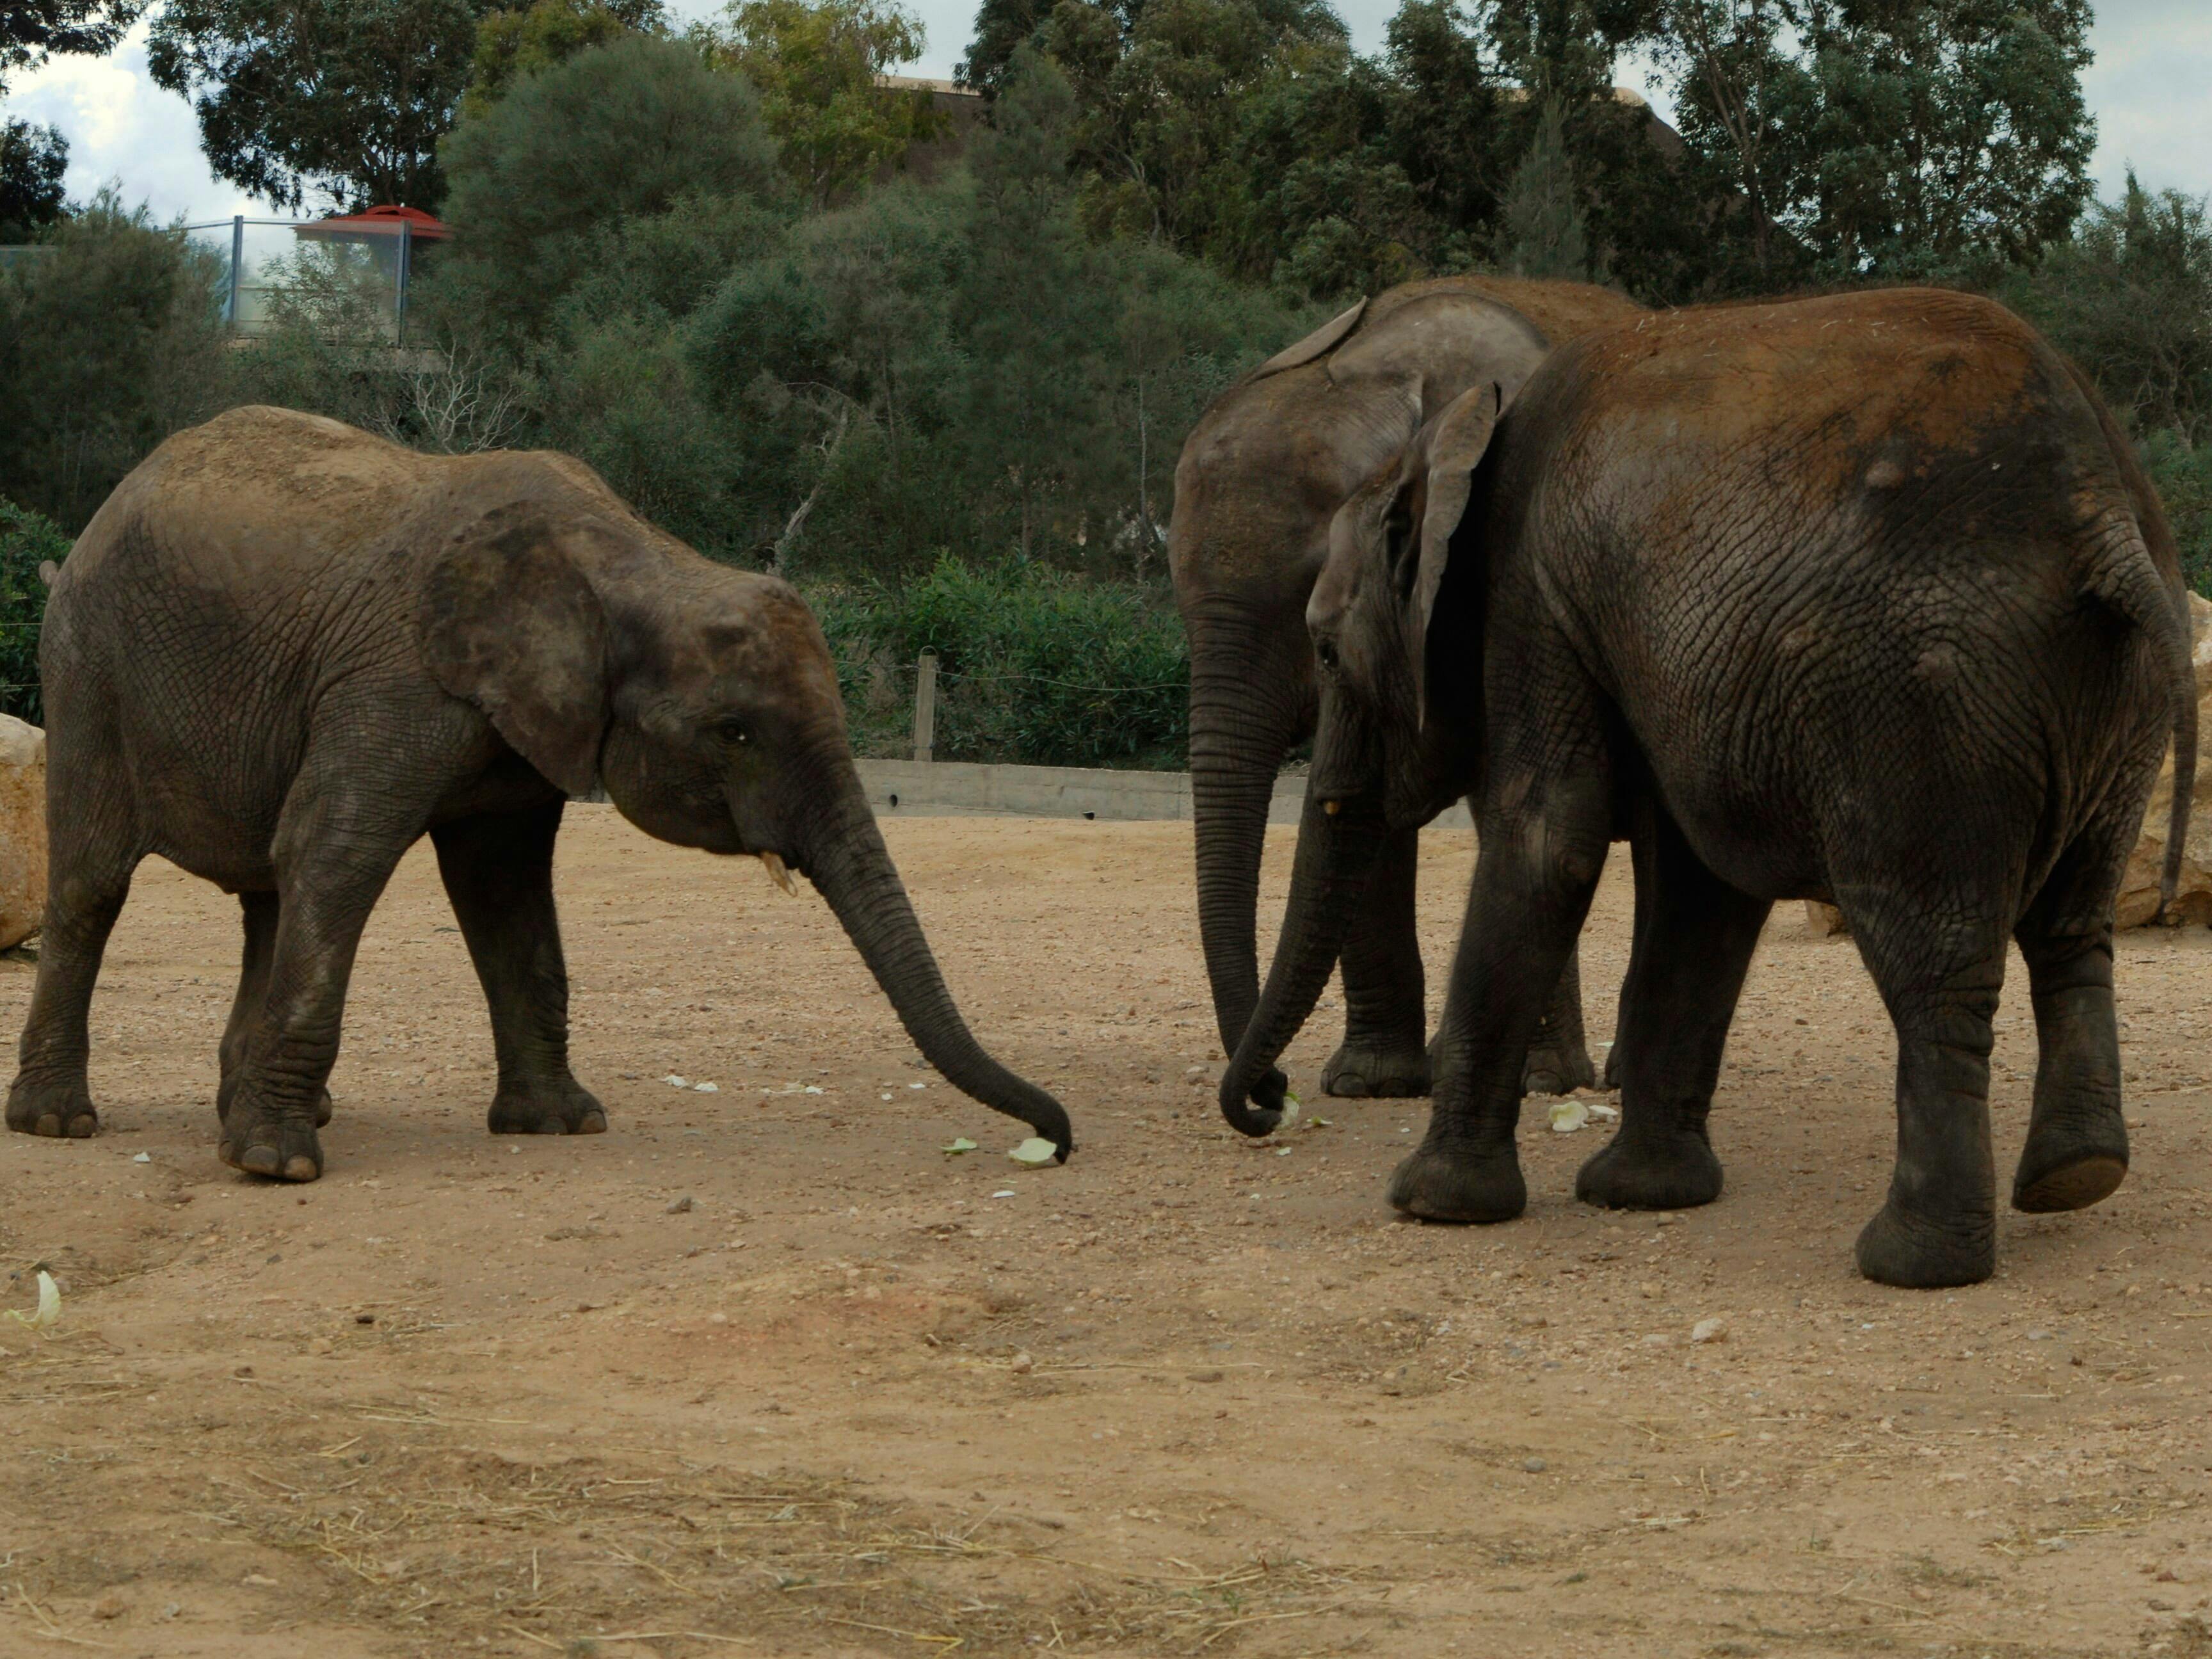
107	345
27	539
2184	479
1035	666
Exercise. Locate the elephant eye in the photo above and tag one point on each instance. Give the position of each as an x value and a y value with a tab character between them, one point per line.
733	732
1326	650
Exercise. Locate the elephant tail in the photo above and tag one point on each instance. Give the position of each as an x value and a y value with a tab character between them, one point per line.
2125	574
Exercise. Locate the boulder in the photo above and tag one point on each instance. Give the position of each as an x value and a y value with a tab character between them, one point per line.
1825	920
2192	899
22	830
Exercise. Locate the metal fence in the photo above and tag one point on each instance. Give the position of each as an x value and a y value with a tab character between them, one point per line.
265	262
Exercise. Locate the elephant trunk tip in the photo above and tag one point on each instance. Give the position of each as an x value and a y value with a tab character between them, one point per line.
1252	1108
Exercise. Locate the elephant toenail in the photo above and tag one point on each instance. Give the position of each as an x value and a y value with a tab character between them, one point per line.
260	1160
592	1123
301	1167
81	1126
49	1124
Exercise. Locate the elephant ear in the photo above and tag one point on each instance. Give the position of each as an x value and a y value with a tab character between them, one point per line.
1318	343
509	623
1450	449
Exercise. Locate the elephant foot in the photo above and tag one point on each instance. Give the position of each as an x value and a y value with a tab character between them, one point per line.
55	1109
557	1107
1441	1184
1375	1070
1918	1253
2069	1166
222	1104
1679	1173
277	1142
1557	1071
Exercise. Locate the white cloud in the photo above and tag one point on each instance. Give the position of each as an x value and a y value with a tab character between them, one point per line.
123	128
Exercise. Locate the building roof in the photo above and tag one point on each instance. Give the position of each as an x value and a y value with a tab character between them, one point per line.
376	221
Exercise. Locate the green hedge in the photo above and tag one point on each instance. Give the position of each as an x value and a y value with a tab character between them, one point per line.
26	539
1034	666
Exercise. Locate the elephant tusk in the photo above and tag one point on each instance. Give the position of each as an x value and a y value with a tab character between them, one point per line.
777	874
1332	807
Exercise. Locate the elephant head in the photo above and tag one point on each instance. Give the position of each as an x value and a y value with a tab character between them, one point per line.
705	700
1385	755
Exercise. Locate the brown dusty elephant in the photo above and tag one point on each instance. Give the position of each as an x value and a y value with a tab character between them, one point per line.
1862	599
284	650
1260	477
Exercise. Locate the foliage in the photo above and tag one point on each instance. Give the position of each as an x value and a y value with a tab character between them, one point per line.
548	183
32	30
1035	665
335	100
107	345
1908	140
536	36
2183	477
27	540
1540	230
2132	296
32	162
817	68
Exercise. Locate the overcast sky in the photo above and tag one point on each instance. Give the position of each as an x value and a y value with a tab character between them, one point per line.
2151	88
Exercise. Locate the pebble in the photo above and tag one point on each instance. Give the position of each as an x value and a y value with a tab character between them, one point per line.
681	1207
1021	1364
1535	1465
1709	1330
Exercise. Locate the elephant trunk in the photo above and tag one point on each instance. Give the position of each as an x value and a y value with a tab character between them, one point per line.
1340	838
846	859
1245	712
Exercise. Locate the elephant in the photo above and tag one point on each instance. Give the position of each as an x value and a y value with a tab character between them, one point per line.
1260	477
284	650
1862	599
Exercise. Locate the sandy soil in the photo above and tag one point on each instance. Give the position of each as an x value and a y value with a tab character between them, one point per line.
763	1371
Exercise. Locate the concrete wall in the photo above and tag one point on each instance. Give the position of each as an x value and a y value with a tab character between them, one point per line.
961	789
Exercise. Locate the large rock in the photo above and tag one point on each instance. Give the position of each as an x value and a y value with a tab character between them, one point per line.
2192	900
22	830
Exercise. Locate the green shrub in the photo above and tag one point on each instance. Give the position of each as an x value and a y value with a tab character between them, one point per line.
26	540
2183	478
1035	666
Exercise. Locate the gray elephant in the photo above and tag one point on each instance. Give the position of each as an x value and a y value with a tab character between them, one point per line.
1862	599
1260	477
284	650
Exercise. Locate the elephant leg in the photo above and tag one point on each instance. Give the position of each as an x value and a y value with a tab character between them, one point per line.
498	871
2077	1141
1559	1055
260	912
1533	879
89	879
1385	993
340	837
1689	962
1938	1226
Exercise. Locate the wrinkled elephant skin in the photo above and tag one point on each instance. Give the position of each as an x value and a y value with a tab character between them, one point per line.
283	651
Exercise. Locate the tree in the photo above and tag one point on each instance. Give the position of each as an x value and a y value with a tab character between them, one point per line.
546	181
2131	297
817	65
339	100
32	30
1540	229
1032	410
108	344
527	39
1903	139
32	162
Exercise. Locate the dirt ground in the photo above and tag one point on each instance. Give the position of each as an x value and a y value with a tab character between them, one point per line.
762	1370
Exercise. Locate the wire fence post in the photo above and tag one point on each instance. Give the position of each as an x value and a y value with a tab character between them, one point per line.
400	298
237	268
925	706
